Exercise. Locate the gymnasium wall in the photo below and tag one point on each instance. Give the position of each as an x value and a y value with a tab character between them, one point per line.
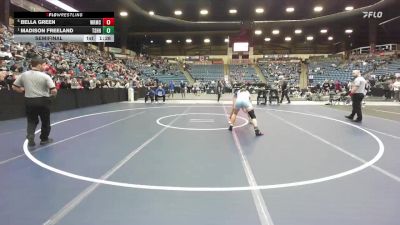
12	104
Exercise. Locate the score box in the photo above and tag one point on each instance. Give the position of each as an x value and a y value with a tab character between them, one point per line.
108	30
108	21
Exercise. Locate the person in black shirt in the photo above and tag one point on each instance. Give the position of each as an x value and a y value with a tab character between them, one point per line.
219	89
9	80
326	86
317	88
285	91
150	93
86	84
65	85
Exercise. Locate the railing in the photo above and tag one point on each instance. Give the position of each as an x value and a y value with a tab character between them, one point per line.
378	48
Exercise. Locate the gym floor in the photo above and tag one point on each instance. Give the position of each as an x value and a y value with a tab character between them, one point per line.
178	164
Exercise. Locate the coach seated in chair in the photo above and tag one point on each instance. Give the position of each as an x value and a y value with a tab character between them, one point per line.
149	95
160	93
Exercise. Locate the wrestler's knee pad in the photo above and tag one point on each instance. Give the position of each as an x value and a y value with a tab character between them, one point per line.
252	114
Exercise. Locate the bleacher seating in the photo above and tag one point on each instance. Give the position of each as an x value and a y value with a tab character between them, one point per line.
388	69
175	76
328	69
159	69
243	73
207	72
337	69
272	70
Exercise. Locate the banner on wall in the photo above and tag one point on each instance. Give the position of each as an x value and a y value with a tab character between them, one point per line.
217	61
197	58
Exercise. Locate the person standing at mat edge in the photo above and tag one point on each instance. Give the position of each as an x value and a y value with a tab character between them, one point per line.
285	90
219	90
38	88
357	94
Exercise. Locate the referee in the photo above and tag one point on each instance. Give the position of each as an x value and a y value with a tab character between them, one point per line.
285	90
38	87
357	94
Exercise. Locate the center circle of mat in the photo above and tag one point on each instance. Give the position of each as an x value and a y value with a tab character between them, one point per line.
367	164
203	129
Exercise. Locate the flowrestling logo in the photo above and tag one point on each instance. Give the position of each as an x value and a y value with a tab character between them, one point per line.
375	15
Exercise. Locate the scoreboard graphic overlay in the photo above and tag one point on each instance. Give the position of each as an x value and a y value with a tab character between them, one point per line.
64	26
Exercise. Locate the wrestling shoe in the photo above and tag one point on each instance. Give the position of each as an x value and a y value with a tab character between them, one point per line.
46	142
258	133
31	143
349	117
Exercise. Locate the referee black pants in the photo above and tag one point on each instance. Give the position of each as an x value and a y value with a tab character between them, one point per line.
357	100
38	108
285	94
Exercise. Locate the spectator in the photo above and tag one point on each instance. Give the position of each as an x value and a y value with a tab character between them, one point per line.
9	80
86	84
171	89
338	87
75	84
2	79
396	88
386	89
160	93
183	90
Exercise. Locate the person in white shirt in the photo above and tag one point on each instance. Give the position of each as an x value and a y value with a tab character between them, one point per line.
396	88
37	87
241	100
75	84
357	94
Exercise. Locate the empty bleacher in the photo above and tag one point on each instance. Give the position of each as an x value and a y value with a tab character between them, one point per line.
328	69
207	72
164	72
388	69
335	69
